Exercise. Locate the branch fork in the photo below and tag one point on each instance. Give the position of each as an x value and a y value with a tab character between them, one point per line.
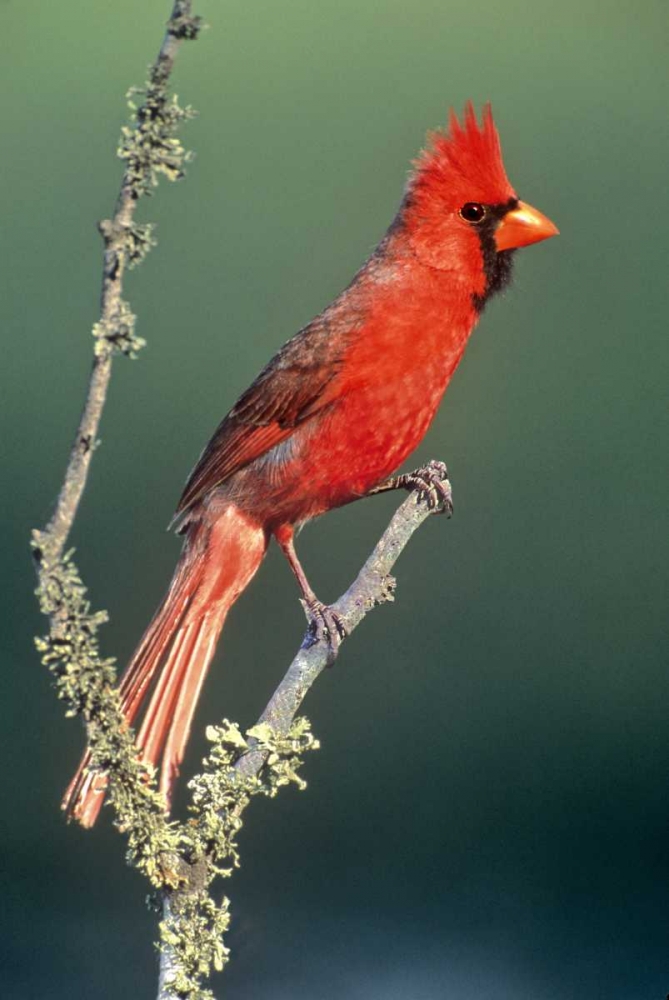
181	860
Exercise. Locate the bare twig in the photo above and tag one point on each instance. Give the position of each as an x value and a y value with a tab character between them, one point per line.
373	586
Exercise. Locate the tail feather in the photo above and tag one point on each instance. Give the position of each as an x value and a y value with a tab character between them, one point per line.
187	698
161	630
218	561
85	794
153	731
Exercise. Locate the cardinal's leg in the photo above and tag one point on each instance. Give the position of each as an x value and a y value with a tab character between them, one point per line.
322	619
430	482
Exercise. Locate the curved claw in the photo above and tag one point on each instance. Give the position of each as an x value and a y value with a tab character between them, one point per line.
430	483
324	623
433	486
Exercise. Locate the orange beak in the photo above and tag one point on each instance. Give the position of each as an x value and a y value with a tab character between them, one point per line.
523	225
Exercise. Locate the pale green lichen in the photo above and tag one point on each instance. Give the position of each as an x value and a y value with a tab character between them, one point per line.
86	682
222	791
192	934
139	241
185	26
118	333
192	931
149	145
283	753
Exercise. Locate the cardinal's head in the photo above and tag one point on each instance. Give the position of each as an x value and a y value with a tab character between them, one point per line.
461	213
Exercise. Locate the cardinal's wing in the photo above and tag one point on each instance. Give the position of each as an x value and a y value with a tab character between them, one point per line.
299	381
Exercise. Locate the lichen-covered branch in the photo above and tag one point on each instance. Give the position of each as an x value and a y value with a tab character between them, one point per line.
149	148
84	680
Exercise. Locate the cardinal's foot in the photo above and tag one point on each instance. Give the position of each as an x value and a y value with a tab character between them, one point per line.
324	623
430	483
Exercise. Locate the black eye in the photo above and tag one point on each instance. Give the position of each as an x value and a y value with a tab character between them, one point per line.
472	212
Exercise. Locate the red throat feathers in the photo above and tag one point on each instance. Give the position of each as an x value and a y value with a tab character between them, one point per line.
332	415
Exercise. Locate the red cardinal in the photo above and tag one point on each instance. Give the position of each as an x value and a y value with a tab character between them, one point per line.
327	421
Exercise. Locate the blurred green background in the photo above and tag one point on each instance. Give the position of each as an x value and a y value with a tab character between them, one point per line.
488	814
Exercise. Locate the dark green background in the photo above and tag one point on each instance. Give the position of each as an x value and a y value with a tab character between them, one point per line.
488	814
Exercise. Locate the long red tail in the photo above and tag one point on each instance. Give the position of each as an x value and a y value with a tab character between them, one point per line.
217	562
